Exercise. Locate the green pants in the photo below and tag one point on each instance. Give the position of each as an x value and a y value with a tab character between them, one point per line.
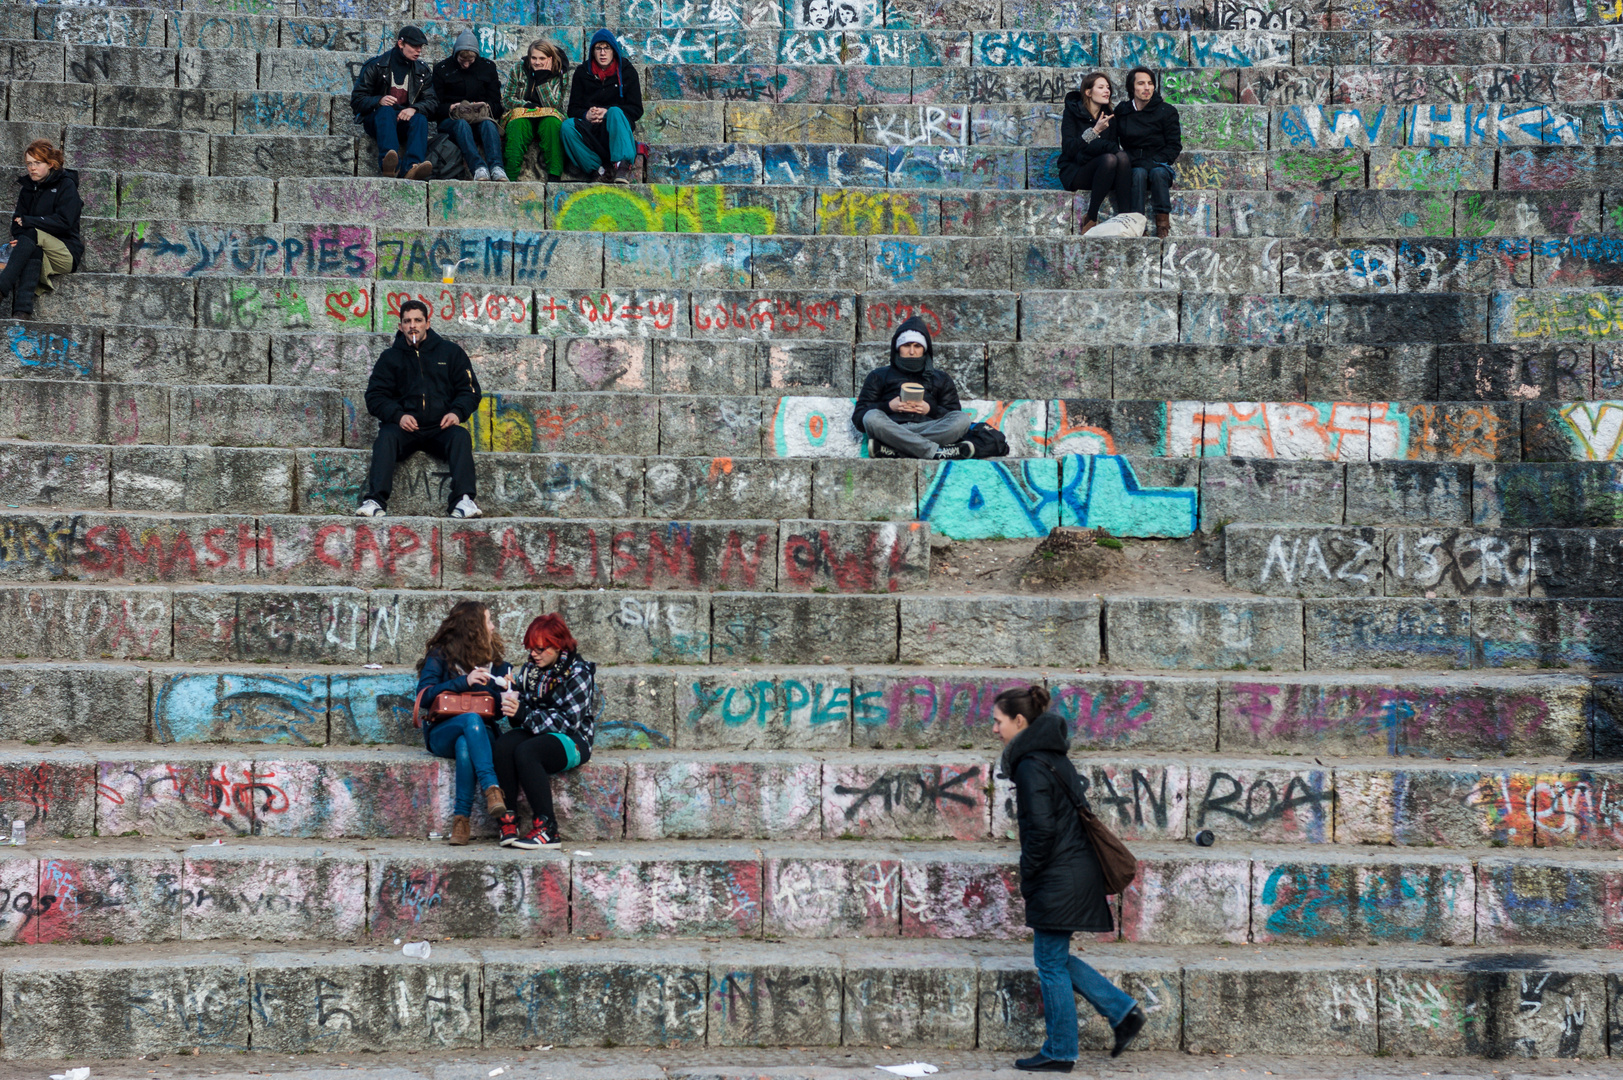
522	131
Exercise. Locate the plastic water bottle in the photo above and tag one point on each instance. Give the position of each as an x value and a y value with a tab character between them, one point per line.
19	832
418	950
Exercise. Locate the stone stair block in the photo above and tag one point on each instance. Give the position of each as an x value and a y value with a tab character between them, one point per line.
747	797
646	629
887	1005
747	710
774	628
81	623
1256	490
139	549
1027	631
1545	633
854	212
48	102
659	998
166	197
851	557
164	108
941	796
278	156
1409	493
811	892
201	479
160	355
1560	903
692	890
1423	899
36	475
1567	495
1154	633
197	707
389	1001
420	894
241	893
108	299
1217	994
27	60
255	415
941	708
1389	631
364	201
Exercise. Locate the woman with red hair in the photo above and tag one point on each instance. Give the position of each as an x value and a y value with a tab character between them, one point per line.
44	228
554	716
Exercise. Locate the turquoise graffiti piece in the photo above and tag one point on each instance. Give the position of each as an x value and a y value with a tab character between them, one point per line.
992	500
265	708
1102	492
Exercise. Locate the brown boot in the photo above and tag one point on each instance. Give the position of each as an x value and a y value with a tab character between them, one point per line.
461	833
390	167
1163	225
495	801
1087	224
423	170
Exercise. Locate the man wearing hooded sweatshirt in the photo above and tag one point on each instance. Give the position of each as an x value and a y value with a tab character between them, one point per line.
1148	129
394	100
605	100
933	426
421	390
463	82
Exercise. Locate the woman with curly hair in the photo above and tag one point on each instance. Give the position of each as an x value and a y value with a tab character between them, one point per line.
534	98
554	719
464	657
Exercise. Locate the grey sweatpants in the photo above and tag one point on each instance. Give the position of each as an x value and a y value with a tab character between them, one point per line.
917	440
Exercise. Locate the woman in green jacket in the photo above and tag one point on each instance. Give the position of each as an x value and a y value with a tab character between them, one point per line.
534	99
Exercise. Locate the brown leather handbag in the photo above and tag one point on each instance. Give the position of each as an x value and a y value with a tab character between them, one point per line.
1117	866
449	704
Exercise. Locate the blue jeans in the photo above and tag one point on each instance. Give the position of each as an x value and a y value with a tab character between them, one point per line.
489	136
1158	178
390	133
467	739
1060	974
583	149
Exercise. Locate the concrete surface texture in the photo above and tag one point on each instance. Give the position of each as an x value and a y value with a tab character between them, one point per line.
1369	388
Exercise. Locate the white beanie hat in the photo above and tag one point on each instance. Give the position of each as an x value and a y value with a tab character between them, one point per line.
911	337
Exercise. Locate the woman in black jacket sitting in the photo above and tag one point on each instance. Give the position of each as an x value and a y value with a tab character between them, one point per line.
1059	877
605	103
554	716
1091	157
45	226
1149	130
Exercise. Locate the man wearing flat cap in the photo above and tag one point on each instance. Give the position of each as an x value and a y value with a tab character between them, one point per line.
910	409
394	99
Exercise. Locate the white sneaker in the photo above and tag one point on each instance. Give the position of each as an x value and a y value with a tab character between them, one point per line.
499	174
481	173
467	508
369	508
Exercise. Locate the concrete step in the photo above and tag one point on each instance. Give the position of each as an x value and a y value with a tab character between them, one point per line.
349	625
568	260
1531	371
70	1002
770	700
120	892
827	791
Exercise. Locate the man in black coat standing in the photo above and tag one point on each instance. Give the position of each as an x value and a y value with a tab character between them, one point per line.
1148	129
463	82
898	423
394	100
422	389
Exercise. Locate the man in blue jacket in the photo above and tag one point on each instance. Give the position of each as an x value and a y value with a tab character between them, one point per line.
394	101
422	390
933	425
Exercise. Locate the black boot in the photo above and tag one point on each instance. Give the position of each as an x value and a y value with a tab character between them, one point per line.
22	297
21	275
1127	1030
1039	1063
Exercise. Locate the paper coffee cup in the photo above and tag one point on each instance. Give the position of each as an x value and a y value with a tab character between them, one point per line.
912	391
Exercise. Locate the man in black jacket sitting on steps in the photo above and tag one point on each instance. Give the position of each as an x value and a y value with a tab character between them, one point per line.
930	426
422	389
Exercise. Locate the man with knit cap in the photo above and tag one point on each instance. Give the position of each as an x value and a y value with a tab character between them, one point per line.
909	409
469	89
394	100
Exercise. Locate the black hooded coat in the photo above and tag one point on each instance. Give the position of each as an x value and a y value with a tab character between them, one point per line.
426	380
1151	134
884	385
587	90
52	205
1059	874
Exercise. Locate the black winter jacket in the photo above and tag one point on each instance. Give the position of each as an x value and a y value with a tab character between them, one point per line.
884	385
1059	874
587	91
426	380
52	205
1150	134
1074	149
479	82
373	82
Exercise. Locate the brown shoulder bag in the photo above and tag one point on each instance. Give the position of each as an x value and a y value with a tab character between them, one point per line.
449	704
1117	865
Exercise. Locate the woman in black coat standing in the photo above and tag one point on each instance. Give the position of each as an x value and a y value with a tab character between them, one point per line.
1091	157
1149	130
45	226
1059	878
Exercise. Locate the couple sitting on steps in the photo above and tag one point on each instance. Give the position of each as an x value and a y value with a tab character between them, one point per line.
551	705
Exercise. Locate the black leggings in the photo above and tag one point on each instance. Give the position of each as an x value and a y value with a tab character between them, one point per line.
529	762
1110	174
